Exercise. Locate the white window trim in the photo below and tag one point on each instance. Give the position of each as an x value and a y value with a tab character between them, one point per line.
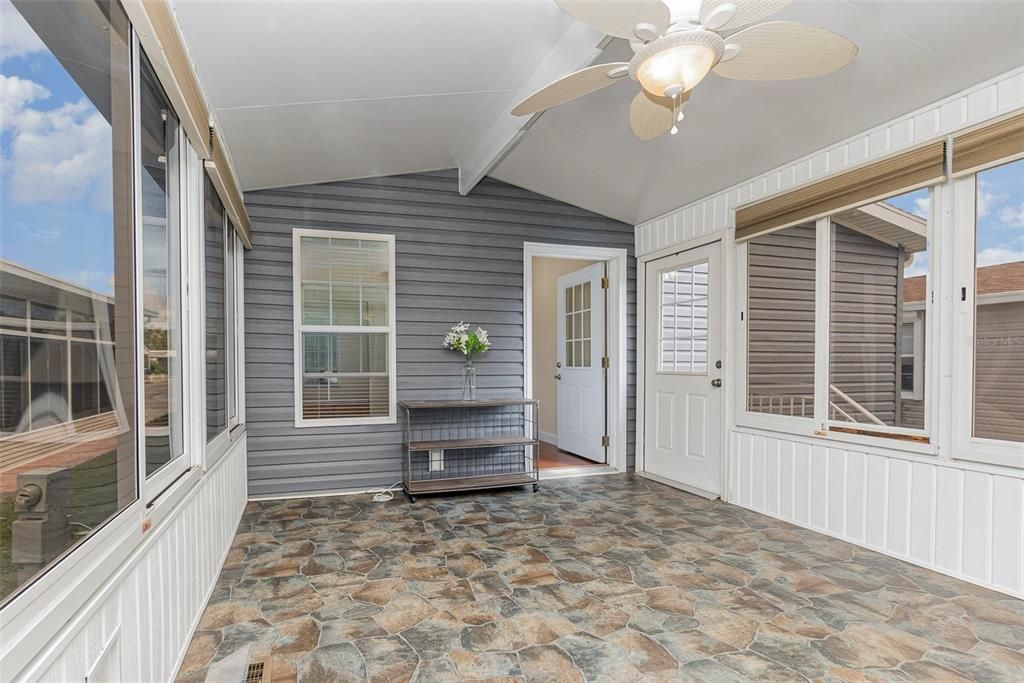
820	425
216	447
966	445
152	487
299	328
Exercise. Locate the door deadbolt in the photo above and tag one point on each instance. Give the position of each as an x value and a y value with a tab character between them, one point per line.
716	383
718	364
558	364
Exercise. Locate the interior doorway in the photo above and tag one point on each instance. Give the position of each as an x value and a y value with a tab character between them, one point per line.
568	344
571	307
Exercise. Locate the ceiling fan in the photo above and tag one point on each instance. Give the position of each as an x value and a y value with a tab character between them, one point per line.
674	52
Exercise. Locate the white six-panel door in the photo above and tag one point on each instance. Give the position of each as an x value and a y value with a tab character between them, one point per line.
580	376
682	396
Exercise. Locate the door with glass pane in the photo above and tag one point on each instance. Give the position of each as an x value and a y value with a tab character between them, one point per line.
682	395
581	346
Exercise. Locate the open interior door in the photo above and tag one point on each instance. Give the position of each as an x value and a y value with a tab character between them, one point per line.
581	372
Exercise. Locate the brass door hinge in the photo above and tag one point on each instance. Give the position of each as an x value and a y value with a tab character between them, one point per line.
606	362
605	441
604	282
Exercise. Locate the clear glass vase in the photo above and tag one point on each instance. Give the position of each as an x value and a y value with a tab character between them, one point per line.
468	381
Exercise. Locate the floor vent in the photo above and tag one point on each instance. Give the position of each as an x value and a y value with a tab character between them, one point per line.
254	674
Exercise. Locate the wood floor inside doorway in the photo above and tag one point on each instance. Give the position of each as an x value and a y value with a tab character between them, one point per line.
550	457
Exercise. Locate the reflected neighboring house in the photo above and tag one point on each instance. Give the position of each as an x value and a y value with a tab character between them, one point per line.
58	381
999	342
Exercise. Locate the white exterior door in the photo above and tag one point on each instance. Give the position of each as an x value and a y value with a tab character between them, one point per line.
580	375
682	395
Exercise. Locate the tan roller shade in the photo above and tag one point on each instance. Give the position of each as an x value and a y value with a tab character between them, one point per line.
893	175
991	144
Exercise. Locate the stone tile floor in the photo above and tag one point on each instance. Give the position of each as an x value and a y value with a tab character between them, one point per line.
610	578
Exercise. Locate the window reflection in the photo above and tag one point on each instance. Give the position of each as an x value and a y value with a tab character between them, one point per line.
161	305
999	304
67	453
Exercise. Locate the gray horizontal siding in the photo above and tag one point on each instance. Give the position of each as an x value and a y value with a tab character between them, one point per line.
457	258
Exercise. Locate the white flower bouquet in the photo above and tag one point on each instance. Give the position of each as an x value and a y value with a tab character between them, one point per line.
466	342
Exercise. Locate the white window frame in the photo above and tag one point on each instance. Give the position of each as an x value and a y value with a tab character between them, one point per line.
299	328
215	448
966	445
154	486
42	608
904	438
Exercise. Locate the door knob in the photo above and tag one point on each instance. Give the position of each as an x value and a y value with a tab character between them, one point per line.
716	383
558	376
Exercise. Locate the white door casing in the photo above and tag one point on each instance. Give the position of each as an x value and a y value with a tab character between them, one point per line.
683	399
580	348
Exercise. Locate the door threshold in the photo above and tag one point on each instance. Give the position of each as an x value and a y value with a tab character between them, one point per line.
677	485
576	471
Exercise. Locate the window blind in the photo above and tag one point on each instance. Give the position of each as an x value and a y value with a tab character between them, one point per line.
893	175
988	145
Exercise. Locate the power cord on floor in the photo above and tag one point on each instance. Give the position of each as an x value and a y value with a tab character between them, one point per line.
383	495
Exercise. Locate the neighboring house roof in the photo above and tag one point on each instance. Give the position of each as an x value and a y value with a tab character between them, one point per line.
889	224
1004	277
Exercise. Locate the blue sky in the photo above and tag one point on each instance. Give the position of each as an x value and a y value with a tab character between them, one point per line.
1000	209
55	165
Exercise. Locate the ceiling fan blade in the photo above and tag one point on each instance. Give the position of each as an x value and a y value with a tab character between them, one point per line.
577	84
619	17
785	51
721	15
651	116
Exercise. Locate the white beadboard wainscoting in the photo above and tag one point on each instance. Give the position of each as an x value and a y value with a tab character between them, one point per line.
139	624
957	519
714	213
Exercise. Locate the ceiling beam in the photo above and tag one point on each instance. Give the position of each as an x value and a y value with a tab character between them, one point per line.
579	47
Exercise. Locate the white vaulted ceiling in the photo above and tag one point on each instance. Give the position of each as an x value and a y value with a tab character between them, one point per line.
310	92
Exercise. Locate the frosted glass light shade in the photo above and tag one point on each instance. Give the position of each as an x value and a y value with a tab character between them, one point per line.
677	62
683	66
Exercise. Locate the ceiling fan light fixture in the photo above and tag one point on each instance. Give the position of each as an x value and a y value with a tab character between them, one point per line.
676	63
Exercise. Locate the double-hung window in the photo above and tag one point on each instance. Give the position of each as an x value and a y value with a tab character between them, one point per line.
344	307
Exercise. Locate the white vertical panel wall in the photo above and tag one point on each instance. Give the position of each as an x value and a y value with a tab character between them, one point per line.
946	516
961	519
146	619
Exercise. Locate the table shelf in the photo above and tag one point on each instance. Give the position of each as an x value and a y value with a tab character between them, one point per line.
455	445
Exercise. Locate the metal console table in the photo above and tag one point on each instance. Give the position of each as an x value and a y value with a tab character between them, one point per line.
464	445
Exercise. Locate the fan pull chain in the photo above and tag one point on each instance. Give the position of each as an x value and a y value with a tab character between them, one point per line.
676	114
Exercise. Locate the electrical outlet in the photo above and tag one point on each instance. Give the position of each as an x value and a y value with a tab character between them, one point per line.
437	461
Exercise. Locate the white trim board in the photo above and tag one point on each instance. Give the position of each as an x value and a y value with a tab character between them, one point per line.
616	322
713	214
